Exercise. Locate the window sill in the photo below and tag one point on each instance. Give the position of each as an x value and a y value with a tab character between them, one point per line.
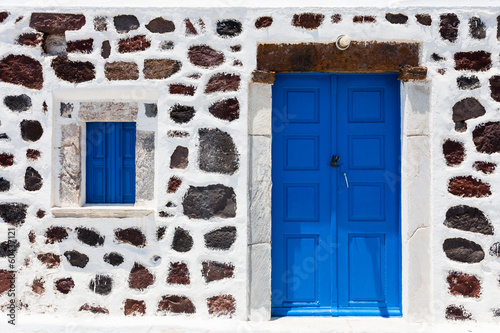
119	212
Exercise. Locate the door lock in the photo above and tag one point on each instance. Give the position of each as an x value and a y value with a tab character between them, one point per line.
335	159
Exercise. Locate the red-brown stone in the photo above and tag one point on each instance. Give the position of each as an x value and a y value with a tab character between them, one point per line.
133	44
179	158
176	304
33	154
6	280
178	273
454	312
65	285
32	237
30	39
173	184
6	159
336	18
227	109
134	307
495	87
364	19
133	236
22	70
80	46
263	77
454	152
190	29
486	137
485	167
182	89
475	61
157	69
3	16
223	82
223	305
38	286
213	271
263	22
56	23
396	18
309	21
467	186
121	70
55	234
160	26
50	260
409	73
93	309
205	56
448	28
424	19
73	71
464	284
140	277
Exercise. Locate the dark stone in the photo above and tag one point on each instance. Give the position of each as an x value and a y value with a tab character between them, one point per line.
181	113
100	23
55	234
182	242
222	82
13	213
113	258
22	70
164	214
4	136
76	258
38	286
217	151
160	233
468	187
205	202
32	180
495	87
475	61
157	69
40	214
151	109
263	22
50	260
132	236
170	204
190	29
181	89
205	56
495	250
9	248
31	130
179	158
125	23
237	63
101	284
3	16
227	109
477	28
454	152
160	26
140	277
228	28
94	309
4	185
448	28
336	18
29	39
463	250
409	73
177	134
485	167
360	57
309	21
6	278
396	18
18	103
134	307
178	273
45	108
32	236
424	19
133	44
236	48
176	304
468	83
105	49
66	109
468	218
213	271
166	45
437	57
65	285
81	46
6	159
464	284
223	305
56	23
454	312
89	237
467	108
121	70
173	184
73	71
364	19
486	137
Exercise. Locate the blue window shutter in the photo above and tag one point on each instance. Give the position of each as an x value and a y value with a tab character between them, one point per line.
110	162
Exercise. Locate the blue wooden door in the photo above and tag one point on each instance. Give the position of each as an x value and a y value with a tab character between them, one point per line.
336	228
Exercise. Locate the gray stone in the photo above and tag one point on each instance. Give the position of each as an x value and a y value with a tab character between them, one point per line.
9	248
495	250
217	152
220	239
108	111
477	28
144	164
179	158
229	28
32	180
182	242
13	213
113	258
151	109
125	23
463	250
4	185
468	83
260	282
205	202
70	156
66	109
18	103
468	219
101	284
467	108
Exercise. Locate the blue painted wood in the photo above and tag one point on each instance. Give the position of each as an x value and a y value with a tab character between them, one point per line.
336	250
110	162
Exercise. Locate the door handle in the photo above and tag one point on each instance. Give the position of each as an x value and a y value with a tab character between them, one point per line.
346	181
335	159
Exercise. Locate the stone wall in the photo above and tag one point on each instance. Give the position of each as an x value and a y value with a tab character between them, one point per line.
188	253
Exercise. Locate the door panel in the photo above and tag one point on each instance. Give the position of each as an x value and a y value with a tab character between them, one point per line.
336	234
